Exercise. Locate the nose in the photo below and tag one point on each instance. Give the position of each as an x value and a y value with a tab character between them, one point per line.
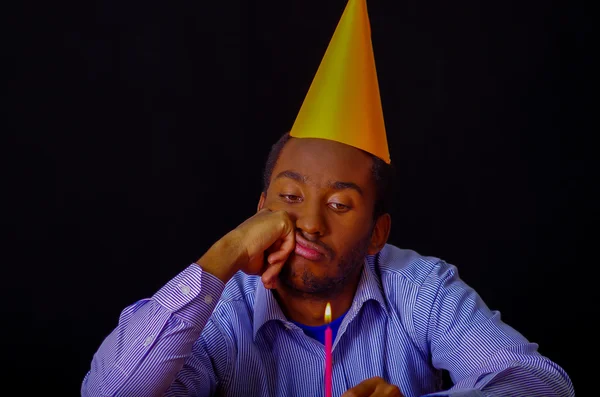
310	219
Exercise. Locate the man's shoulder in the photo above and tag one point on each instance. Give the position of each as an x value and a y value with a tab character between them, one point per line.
393	262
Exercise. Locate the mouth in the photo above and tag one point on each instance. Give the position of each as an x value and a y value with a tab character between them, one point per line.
309	250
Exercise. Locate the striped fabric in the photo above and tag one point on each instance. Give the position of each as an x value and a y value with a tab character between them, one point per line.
411	317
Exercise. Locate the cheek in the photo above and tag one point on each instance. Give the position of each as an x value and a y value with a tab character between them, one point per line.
277	205
346	234
272	204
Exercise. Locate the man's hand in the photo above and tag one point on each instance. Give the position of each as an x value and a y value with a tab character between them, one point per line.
244	248
374	387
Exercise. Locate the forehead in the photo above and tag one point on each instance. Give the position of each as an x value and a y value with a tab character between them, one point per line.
322	161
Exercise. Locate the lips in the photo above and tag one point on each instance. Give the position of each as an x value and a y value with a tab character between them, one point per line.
308	250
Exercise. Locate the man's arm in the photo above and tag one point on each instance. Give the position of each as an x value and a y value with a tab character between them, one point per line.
154	338
164	344
484	356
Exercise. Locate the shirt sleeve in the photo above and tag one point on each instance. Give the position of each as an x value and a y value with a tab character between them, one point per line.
483	355
159	344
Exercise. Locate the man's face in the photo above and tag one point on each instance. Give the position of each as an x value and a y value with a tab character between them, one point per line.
327	189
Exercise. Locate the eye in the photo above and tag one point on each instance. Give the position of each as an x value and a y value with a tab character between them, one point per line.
339	207
290	198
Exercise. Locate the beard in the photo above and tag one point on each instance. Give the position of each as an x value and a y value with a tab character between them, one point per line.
301	281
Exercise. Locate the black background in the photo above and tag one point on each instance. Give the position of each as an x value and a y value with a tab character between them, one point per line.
138	133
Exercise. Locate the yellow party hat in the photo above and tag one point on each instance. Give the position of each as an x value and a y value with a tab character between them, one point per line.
343	102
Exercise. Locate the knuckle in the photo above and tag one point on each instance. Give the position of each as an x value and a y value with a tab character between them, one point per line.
286	220
283	224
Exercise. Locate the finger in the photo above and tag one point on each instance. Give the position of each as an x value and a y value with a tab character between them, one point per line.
258	232
276	257
364	388
272	252
287	246
283	247
386	390
269	277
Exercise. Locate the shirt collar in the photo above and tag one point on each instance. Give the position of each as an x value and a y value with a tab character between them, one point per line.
369	287
266	308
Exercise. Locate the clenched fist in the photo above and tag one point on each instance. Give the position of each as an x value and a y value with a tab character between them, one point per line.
244	248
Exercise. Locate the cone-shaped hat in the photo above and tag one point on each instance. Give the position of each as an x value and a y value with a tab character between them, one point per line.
343	102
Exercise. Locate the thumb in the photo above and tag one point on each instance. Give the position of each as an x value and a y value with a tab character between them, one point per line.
269	277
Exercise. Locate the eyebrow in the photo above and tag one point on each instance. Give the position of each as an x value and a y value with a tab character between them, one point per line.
337	185
345	185
292	175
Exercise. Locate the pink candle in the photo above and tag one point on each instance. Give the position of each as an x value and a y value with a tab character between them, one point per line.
328	343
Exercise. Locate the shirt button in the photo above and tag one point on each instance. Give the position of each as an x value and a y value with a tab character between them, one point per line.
184	289
148	340
288	327
208	299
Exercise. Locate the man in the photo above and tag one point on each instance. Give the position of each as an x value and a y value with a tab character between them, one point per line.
247	318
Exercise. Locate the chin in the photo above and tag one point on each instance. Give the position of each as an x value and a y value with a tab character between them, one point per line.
292	271
299	267
303	276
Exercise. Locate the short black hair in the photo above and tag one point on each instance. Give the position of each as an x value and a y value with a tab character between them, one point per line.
383	176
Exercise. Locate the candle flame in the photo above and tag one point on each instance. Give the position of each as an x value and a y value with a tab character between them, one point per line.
328	313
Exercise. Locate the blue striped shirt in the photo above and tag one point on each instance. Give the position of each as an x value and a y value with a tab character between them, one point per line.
411	317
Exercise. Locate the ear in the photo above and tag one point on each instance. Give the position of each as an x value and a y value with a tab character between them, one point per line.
261	201
380	234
